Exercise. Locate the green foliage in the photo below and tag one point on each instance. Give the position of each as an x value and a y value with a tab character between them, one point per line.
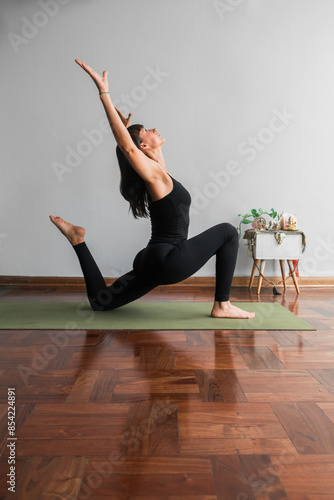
254	215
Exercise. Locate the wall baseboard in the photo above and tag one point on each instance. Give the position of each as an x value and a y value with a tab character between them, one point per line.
238	281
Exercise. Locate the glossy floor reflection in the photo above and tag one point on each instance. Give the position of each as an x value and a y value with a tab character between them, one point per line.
140	415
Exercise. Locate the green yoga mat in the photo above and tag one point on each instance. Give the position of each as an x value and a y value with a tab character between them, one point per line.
144	316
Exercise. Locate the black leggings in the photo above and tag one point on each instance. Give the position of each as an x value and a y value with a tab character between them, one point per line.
164	264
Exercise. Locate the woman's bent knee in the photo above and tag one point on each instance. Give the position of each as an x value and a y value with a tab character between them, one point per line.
96	306
102	302
229	230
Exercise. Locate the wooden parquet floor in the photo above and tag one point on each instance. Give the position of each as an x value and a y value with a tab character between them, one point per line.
171	415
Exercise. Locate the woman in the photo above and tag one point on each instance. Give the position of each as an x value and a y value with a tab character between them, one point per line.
169	257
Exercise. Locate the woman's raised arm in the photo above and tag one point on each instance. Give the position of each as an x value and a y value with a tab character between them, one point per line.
125	121
117	124
144	164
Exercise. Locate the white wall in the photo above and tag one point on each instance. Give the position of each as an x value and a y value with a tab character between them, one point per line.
228	67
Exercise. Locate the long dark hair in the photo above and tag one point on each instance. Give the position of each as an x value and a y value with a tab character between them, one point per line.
132	186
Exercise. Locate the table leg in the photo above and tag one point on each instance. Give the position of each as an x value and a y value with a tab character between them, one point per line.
293	276
255	263
263	263
283	273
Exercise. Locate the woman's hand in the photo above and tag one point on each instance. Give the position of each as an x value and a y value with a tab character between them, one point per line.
100	81
126	121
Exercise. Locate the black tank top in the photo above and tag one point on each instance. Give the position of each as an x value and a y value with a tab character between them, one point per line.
170	216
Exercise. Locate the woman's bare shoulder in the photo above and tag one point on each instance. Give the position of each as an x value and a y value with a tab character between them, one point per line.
160	186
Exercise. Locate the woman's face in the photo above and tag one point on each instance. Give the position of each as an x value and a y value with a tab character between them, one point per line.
151	138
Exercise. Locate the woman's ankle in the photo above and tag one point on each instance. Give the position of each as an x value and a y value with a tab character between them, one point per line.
76	243
223	304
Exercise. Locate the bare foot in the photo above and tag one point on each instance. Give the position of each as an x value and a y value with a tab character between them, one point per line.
74	234
227	310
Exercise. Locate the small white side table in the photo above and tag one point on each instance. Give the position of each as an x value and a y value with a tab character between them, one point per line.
266	247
